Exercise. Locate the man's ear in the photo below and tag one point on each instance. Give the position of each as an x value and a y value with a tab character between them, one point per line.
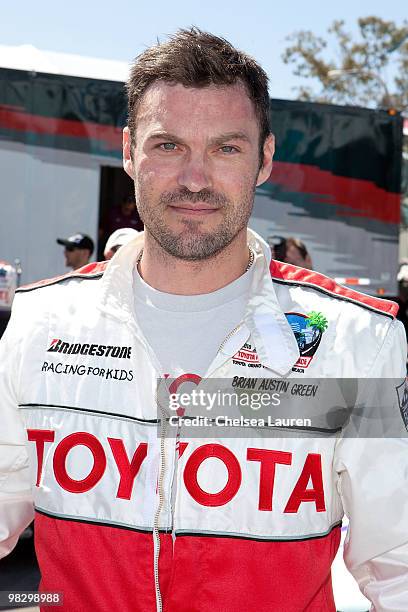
266	168
127	153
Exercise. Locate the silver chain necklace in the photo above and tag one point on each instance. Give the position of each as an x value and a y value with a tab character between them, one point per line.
250	260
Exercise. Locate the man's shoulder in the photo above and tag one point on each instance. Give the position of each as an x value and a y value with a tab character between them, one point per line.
62	297
91	271
292	276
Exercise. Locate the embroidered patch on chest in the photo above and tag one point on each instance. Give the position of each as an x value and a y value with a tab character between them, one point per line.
247	357
308	331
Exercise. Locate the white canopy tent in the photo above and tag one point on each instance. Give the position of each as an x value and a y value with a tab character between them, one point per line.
28	57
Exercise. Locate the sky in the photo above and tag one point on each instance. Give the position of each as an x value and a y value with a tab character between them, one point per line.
121	30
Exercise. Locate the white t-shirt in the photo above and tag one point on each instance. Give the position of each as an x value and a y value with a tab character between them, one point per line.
186	331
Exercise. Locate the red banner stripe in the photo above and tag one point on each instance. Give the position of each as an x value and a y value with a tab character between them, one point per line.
360	198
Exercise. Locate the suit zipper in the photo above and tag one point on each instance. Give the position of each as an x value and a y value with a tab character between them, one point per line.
156	533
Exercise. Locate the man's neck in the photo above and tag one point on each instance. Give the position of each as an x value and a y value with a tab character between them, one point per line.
169	274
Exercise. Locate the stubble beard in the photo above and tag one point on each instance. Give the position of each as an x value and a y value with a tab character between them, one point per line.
194	243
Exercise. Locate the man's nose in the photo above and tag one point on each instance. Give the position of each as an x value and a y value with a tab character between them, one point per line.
195	173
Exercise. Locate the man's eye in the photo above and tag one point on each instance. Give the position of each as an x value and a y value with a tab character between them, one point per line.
168	146
228	149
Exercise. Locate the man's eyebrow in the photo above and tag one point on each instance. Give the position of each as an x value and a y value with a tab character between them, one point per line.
229	136
164	136
217	140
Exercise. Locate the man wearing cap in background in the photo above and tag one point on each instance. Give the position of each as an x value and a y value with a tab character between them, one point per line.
78	250
117	239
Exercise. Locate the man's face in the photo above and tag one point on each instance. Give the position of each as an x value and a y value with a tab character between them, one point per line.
75	258
195	165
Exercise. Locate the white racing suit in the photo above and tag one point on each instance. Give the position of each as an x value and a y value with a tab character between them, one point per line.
244	522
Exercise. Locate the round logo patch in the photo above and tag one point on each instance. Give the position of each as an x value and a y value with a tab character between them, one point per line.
308	331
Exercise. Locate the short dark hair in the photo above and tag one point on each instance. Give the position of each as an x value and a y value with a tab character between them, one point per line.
198	59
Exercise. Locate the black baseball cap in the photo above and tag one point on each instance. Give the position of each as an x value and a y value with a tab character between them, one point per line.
77	241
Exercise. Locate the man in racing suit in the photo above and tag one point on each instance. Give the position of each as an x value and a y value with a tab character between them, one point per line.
129	520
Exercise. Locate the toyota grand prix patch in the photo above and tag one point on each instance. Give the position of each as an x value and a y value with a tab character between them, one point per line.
308	330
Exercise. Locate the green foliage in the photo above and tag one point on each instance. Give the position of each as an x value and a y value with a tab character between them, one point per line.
379	50
317	320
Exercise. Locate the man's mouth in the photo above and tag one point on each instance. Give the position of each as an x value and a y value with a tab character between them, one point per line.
199	209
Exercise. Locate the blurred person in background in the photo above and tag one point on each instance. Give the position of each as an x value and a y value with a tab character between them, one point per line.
8	285
78	250
117	239
290	250
402	299
125	215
